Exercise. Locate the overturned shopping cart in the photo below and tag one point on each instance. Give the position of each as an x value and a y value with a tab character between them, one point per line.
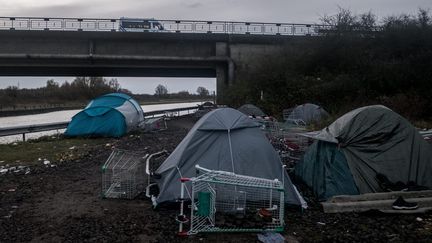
226	202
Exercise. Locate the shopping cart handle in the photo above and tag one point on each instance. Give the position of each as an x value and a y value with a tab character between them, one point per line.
149	158
156	175
201	168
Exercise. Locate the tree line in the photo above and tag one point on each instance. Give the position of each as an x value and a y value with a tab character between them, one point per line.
357	62
82	89
79	90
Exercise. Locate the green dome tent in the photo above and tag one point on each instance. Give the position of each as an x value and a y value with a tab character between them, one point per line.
251	110
110	115
349	154
306	114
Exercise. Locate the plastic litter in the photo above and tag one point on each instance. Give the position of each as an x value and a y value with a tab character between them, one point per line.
271	237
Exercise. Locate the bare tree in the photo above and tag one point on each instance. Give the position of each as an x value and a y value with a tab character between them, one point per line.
202	91
161	90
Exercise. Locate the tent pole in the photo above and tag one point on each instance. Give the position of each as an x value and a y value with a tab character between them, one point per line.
231	153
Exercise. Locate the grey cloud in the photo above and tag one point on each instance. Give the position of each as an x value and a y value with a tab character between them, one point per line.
193	5
61	10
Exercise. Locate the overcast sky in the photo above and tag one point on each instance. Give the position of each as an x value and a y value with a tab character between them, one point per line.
280	11
297	11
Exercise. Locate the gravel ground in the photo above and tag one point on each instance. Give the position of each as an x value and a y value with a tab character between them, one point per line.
63	204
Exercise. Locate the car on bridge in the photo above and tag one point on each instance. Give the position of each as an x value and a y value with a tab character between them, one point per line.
140	25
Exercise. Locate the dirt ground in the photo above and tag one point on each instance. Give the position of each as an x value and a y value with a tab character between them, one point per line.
64	204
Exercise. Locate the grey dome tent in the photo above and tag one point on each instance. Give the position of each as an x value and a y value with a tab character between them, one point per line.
224	139
251	110
307	113
353	153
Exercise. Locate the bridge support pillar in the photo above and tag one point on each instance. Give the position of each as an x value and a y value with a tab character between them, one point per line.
221	83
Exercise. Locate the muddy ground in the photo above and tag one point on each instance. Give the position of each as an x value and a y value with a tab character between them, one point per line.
64	204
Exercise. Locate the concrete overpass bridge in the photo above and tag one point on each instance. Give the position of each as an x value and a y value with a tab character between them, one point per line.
95	47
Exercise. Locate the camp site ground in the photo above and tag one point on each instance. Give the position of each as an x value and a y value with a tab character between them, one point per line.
63	203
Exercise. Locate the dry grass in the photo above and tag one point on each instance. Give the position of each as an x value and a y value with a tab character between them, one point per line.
52	149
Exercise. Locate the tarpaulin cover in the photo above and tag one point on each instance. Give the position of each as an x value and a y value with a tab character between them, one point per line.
325	170
376	140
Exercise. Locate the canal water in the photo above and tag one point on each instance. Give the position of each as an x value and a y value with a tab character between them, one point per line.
64	116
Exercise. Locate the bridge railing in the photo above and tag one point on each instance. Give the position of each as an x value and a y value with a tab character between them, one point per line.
171	26
59	24
253	28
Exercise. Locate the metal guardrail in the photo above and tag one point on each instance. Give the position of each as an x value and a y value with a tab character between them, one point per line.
170	112
170	26
17	130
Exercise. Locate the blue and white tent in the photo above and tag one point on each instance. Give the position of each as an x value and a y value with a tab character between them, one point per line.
110	115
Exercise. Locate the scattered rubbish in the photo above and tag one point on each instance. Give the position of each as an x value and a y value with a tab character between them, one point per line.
46	162
419	202
154	124
15	169
12	190
14	207
53	165
418	219
401	204
321	223
39	159
1	161
107	145
271	237
14	144
72	148
7	216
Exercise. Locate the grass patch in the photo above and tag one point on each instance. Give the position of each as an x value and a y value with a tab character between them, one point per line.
52	149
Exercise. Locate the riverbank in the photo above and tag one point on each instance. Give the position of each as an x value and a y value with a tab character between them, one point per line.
62	203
